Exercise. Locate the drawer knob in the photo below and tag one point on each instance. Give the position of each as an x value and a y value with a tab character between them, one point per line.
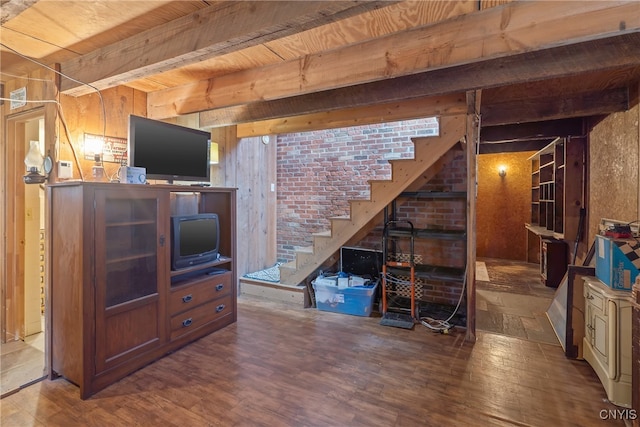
187	322
219	287
589	296
187	298
220	308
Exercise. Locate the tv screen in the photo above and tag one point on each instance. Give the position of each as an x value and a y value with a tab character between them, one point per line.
195	239
167	151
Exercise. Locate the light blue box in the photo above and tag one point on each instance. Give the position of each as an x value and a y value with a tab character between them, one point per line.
617	262
355	300
133	175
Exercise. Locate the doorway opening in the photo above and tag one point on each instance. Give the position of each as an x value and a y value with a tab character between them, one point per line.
511	299
22	344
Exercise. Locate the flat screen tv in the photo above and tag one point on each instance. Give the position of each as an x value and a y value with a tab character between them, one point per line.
195	239
167	151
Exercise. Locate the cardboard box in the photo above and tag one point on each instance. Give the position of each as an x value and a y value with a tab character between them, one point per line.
617	262
133	175
355	300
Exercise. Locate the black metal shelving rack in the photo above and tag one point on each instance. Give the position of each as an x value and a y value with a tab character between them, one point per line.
393	231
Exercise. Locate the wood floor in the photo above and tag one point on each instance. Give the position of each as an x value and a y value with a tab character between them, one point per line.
281	365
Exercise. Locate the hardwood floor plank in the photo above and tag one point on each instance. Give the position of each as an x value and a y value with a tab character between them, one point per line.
286	366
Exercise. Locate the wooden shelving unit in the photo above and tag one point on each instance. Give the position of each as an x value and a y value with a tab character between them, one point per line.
556	188
556	193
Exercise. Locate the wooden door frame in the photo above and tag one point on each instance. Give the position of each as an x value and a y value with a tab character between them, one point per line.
12	222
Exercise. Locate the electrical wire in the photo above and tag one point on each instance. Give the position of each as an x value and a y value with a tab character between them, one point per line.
102	104
436	325
35	79
443	326
32	101
73	150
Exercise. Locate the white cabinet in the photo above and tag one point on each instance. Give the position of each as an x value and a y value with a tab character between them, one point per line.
607	340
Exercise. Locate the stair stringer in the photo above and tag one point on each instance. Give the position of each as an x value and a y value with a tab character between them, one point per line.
404	172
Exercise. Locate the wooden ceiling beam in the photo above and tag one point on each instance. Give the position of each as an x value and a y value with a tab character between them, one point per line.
219	29
556	107
513	147
444	105
531	131
607	54
510	29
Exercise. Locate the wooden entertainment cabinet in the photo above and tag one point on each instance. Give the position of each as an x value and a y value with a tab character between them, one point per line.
115	303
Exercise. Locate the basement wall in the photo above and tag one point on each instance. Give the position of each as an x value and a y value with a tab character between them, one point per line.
319	172
614	193
614	161
503	205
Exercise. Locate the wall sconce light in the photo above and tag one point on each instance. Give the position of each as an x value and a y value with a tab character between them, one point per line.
93	145
502	171
213	154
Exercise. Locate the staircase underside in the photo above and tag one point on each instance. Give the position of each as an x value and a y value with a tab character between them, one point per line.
404	172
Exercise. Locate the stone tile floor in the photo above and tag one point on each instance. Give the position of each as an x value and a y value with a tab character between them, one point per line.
513	301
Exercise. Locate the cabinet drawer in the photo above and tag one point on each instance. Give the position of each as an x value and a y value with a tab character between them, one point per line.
190	296
188	321
594	298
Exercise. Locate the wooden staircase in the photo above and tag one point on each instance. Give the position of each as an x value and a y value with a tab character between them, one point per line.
428	151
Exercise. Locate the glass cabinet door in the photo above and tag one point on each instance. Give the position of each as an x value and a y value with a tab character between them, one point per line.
130	252
131	256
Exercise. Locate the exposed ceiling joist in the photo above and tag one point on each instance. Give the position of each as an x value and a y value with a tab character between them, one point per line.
518	27
551	108
444	105
611	53
513	147
532	131
219	29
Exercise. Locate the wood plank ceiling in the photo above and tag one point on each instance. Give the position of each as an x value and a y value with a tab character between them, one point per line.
271	65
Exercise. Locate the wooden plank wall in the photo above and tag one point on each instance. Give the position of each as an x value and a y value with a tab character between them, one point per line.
223	174
248	165
85	114
254	167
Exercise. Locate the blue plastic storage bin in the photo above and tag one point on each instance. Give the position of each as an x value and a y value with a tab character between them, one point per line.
355	300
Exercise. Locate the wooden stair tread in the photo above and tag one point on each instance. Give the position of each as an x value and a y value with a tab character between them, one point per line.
291	265
322	234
